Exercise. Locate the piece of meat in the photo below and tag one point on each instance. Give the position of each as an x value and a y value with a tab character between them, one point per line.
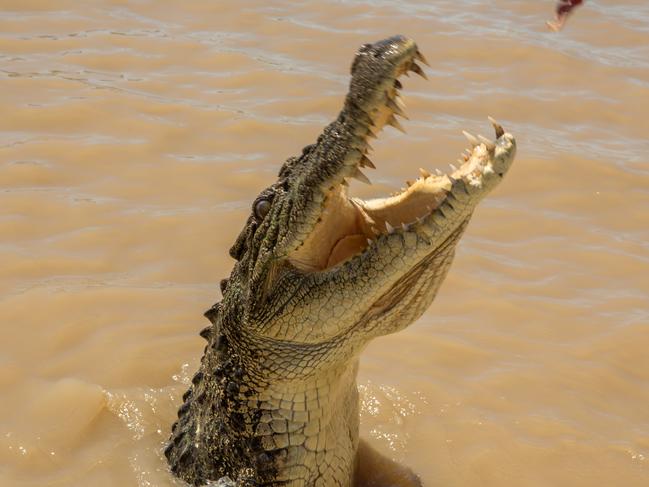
563	9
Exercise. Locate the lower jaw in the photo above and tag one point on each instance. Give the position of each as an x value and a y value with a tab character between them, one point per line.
349	226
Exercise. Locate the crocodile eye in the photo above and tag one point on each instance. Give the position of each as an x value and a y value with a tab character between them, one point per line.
262	207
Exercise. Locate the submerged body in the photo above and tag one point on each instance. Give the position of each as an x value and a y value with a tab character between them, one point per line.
318	275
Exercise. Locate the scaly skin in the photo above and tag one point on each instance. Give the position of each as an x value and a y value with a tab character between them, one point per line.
318	275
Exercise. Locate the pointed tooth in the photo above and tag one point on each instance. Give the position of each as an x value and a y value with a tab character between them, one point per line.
460	161
405	226
397	84
409	182
365	162
453	168
369	241
424	173
421	58
452	179
398	99
417	69
468	152
370	133
395	123
344	182
438	172
396	108
471	138
497	127
389	227
488	143
358	174
375	231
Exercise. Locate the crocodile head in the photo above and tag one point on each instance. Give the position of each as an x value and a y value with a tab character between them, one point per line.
318	265
319	274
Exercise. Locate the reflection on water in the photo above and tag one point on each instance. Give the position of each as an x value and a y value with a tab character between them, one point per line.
135	135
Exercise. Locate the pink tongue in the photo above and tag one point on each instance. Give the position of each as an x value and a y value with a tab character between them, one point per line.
345	248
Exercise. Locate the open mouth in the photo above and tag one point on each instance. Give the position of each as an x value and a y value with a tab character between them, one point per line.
348	227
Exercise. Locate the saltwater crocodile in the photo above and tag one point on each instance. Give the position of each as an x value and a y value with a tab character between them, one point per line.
318	274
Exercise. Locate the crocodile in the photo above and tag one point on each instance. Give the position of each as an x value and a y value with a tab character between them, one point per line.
317	275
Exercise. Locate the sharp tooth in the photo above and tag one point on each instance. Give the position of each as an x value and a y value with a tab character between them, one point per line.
358	174
421	58
405	226
375	231
369	241
471	138
397	84
453	167
395	123
370	133
409	183
396	108
438	172
365	162
424	173
417	69
468	152
451	179
389	227
398	99
488	143
461	161
497	127
344	182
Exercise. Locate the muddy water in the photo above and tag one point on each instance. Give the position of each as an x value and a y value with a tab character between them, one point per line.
134	135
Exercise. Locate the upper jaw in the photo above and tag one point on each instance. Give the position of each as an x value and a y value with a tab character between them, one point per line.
341	150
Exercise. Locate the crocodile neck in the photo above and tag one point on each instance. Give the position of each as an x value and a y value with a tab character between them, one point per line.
289	432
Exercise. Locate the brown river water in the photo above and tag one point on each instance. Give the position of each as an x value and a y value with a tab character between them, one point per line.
134	136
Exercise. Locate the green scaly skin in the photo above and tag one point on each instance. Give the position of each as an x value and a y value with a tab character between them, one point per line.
318	275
